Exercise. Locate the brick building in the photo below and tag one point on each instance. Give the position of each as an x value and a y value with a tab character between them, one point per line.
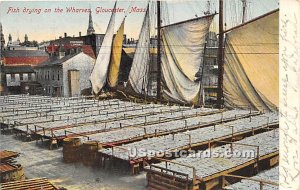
90	43
24	57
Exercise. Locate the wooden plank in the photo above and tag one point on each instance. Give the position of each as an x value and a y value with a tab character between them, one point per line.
164	185
217	175
166	180
31	184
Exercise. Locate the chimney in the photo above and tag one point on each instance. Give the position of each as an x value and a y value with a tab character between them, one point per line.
61	52
79	34
65	34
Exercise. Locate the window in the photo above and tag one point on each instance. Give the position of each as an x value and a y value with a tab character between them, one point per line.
29	76
21	76
48	75
52	75
58	75
13	77
37	75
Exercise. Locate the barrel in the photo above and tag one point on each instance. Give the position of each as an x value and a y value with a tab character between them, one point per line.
89	153
11	173
71	150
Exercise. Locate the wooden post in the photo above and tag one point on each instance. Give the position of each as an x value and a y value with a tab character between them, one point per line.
261	185
232	132
158	90
220	57
201	101
190	140
257	159
222	181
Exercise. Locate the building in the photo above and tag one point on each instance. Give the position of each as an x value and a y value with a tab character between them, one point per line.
43	45
2	40
210	76
24	57
18	45
90	40
2	80
66	74
15	76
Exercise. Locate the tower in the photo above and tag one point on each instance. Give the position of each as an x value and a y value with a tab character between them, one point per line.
9	38
90	29
2	40
26	38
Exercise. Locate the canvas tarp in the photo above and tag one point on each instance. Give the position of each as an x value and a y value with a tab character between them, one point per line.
139	73
182	57
99	73
251	64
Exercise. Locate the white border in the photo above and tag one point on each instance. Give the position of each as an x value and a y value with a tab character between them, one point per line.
289	101
289	92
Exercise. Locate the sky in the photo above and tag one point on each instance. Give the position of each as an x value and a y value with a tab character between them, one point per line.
51	25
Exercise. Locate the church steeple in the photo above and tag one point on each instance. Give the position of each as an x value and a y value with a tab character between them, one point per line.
2	40
90	29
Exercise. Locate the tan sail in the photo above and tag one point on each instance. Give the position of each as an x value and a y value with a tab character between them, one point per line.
251	65
115	61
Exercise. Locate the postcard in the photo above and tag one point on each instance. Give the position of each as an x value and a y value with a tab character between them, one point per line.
170	94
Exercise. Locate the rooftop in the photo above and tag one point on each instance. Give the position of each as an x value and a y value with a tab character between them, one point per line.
24	53
18	69
54	60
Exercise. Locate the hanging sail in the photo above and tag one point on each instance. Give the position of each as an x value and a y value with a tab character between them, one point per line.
182	57
139	76
114	66
99	73
251	66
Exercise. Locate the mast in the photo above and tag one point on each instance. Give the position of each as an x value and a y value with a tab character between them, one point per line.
158	90
202	95
244	10
220	57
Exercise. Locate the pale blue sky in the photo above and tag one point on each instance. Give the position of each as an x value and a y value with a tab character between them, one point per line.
52	25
